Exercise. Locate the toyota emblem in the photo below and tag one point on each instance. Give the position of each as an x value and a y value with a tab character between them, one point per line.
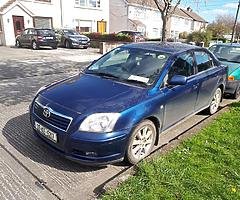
46	112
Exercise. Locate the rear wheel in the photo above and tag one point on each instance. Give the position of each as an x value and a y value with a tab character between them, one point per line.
54	47
213	108
141	142
18	44
34	45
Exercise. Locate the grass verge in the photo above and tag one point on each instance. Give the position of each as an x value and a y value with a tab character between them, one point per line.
206	166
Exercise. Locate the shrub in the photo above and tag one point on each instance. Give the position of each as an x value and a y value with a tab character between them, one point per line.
199	37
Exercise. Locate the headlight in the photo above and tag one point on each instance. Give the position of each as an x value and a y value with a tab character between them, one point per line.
41	89
99	122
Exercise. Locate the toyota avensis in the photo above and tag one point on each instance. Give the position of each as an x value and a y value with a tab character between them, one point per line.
117	107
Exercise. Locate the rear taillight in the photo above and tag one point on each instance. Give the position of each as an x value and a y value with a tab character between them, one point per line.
231	78
39	38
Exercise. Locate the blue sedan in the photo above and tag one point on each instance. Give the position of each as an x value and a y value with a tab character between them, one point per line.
118	106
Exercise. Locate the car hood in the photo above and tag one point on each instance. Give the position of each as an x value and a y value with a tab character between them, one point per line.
232	66
88	94
78	36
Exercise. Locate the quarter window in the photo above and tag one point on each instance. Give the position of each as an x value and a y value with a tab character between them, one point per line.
203	61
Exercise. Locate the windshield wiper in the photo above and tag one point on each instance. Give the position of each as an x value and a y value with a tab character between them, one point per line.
102	74
136	81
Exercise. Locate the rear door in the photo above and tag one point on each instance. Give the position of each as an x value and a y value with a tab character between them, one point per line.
208	75
180	99
24	36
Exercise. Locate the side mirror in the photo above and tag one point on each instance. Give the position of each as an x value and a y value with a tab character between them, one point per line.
178	80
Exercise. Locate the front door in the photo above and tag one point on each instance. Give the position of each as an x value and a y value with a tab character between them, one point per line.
101	26
180	99
18	24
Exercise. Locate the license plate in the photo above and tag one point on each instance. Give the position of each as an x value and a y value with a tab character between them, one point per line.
46	132
49	38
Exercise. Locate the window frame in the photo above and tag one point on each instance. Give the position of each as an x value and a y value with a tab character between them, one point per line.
87	4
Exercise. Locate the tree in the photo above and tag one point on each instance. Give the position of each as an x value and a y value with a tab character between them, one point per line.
166	8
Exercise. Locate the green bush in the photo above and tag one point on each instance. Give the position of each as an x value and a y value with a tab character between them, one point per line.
199	37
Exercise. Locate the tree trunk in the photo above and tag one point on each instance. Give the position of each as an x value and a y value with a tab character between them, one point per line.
164	28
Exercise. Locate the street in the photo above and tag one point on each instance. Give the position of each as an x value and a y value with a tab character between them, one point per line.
28	169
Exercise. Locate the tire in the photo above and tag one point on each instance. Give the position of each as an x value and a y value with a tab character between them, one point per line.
18	44
141	142
67	44
214	105
236	93
34	45
54	47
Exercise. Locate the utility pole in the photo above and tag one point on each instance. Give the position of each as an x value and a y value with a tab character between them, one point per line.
235	23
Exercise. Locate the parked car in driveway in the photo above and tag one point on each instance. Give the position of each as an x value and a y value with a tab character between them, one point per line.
229	55
72	39
136	36
36	38
117	107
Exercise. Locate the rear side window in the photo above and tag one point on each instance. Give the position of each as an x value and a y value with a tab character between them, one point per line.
203	61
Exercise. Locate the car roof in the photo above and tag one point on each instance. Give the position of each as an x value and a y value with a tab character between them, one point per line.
228	44
169	47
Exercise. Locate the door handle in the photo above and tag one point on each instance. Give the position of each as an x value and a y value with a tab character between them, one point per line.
195	86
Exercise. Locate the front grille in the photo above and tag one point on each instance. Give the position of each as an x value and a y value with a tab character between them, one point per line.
57	120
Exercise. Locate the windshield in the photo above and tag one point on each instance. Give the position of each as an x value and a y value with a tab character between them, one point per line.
226	53
136	66
70	32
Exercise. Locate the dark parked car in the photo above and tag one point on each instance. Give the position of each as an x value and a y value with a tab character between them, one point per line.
135	35
229	55
72	39
36	38
117	107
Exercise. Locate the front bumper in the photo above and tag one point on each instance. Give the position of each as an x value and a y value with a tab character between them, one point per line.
86	148
232	86
80	44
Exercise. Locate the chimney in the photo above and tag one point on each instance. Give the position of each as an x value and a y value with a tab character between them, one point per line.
189	9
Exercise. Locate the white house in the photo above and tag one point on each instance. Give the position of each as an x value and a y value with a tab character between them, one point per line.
135	16
83	15
144	16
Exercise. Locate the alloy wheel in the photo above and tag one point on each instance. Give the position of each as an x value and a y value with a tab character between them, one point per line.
215	101
141	142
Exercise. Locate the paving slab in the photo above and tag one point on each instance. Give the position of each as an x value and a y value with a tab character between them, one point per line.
17	183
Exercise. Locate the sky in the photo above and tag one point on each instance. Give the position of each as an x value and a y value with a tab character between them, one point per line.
209	9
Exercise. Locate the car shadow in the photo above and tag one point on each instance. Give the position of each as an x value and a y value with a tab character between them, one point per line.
19	134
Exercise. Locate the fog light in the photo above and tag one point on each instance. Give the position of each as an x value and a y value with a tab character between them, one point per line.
91	153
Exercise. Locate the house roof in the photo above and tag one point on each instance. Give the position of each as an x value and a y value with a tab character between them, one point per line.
194	16
4	6
12	3
178	11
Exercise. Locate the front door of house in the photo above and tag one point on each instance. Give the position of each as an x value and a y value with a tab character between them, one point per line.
101	26
18	24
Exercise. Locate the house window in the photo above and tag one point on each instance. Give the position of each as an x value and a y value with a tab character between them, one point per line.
83	25
42	22
88	3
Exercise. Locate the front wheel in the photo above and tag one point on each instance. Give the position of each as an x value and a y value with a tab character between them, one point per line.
67	44
236	93
215	103
18	44
141	142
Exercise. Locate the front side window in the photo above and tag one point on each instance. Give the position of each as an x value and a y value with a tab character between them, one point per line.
203	61
131	65
184	65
